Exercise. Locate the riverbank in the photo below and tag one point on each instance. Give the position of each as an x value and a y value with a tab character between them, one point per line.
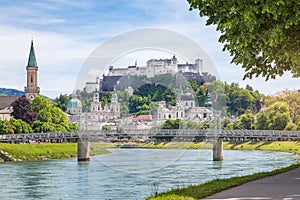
46	151
284	146
215	186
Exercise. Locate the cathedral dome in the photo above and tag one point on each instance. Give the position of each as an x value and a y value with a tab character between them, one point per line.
114	95
74	103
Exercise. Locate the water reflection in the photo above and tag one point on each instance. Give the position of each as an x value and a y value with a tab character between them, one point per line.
126	175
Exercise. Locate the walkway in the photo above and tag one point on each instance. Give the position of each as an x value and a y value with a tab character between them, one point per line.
285	186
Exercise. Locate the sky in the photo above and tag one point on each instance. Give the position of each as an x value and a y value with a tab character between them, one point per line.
66	32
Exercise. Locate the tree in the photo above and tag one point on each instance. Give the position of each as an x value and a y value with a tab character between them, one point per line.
19	126
39	103
227	124
50	118
172	124
22	110
293	100
262	35
239	100
61	101
261	122
3	127
246	121
138	104
39	126
278	116
190	125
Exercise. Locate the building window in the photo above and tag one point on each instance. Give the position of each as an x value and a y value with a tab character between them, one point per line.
170	116
31	78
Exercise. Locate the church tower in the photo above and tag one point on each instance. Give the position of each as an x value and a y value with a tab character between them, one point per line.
32	89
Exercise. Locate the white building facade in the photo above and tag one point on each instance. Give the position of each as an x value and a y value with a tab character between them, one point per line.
158	67
185	110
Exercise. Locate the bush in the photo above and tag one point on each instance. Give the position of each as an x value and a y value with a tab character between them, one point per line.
290	127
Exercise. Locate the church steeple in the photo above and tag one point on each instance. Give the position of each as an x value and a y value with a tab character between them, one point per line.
32	89
31	60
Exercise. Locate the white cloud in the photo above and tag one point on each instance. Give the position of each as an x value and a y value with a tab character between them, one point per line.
59	58
63	49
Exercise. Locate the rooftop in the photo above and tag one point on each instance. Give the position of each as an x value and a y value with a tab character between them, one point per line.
32	60
6	101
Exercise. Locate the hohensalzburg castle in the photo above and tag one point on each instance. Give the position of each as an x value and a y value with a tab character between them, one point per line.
154	67
158	67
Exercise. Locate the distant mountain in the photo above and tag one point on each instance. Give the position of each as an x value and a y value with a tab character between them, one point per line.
11	92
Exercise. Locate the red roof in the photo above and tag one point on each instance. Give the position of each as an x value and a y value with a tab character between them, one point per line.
142	118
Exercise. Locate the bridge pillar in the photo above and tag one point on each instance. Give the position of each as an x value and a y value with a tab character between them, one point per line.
83	149
218	149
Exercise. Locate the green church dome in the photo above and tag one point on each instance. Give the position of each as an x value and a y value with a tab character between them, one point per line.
114	95
74	103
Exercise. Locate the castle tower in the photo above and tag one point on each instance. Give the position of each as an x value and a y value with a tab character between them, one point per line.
199	64
32	89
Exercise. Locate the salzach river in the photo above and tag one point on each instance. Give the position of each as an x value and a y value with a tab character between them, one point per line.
129	173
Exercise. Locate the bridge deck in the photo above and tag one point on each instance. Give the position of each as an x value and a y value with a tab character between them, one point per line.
177	135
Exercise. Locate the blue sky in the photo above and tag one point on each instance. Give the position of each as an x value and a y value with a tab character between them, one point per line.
65	32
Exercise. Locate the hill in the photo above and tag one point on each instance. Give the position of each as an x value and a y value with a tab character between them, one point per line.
11	92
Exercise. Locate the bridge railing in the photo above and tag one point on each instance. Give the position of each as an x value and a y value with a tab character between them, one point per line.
156	133
38	136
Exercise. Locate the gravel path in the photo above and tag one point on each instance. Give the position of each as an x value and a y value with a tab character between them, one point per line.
285	186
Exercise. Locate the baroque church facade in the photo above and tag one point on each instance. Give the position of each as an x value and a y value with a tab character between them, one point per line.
185	109
98	113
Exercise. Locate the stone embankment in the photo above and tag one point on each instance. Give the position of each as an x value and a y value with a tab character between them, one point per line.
4	156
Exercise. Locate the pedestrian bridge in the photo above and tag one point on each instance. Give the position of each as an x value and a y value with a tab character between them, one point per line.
154	135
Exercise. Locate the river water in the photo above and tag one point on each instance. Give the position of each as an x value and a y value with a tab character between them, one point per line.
129	173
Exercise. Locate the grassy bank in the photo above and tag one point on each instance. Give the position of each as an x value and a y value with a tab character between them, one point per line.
285	146
46	151
215	186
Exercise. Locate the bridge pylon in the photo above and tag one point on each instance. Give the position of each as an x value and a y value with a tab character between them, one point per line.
217	141
83	149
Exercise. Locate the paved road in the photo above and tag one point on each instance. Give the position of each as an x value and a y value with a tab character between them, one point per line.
285	186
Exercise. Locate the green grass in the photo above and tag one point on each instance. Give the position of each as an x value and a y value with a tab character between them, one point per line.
40	151
285	146
178	145
100	148
45	151
215	186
